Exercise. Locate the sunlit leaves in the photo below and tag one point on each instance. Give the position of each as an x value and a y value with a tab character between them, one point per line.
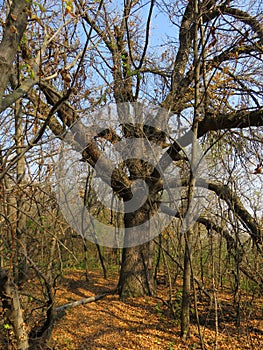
69	8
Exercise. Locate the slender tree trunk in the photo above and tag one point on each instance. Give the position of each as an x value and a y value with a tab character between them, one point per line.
186	298
1	213
12	310
187	274
20	201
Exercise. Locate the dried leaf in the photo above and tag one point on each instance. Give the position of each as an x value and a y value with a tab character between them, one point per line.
13	29
14	17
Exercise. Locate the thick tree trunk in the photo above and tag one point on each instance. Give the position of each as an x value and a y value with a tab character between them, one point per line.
137	269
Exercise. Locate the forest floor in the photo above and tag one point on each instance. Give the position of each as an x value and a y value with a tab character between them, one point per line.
147	322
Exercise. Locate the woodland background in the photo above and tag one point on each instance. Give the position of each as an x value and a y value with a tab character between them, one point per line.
202	61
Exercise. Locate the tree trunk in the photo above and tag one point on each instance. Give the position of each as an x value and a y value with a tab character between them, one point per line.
186	299
137	269
12	309
21	251
14	28
188	273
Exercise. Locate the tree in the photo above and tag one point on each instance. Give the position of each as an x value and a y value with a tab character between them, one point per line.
210	81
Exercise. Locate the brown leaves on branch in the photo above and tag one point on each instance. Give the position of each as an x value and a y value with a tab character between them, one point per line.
258	169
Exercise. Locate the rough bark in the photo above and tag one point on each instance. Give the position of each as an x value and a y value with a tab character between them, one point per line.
21	269
13	31
137	268
188	272
137	271
12	310
186	297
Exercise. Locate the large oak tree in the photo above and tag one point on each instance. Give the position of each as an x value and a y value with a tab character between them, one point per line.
207	72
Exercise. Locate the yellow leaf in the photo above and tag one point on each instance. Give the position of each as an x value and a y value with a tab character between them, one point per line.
35	18
225	70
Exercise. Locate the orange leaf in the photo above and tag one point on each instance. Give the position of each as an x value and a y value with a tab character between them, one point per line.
14	17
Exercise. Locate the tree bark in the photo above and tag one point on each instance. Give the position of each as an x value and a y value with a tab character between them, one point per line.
188	273
186	298
82	301
21	250
12	310
137	268
137	271
13	31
